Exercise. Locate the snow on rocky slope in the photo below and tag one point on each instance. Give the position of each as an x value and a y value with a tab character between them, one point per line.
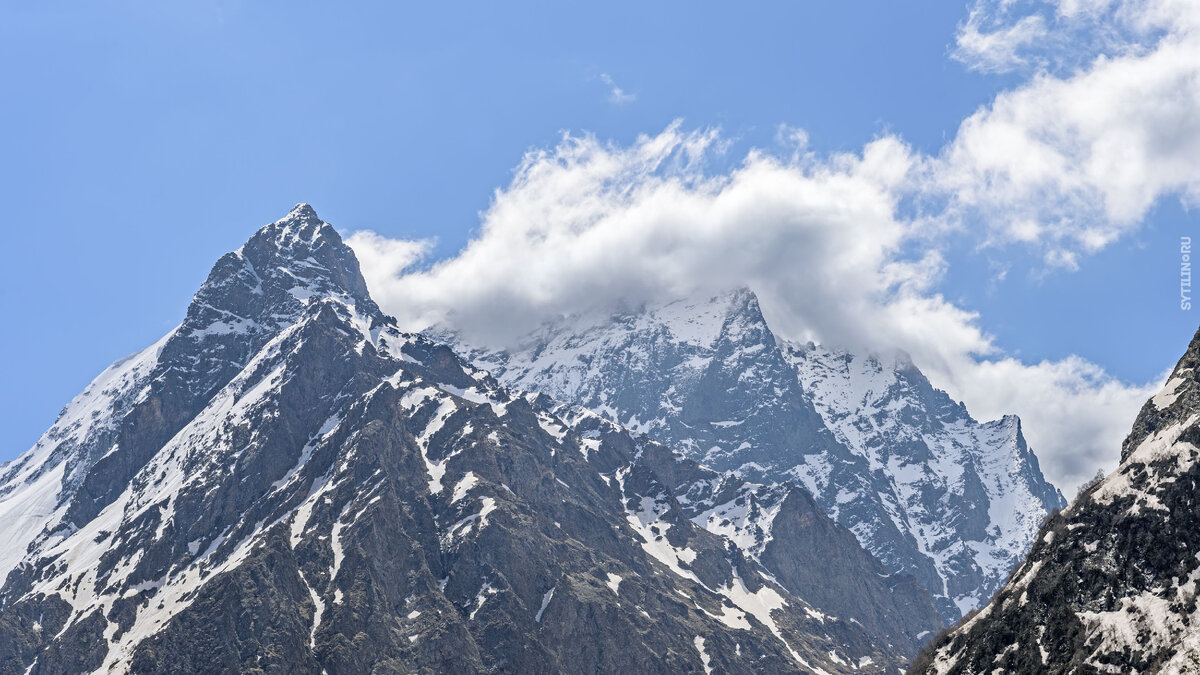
287	483
1111	583
969	495
925	488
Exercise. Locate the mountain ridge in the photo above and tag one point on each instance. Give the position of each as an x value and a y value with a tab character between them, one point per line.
288	483
707	375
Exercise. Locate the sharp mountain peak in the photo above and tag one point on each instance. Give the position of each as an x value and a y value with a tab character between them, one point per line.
281	268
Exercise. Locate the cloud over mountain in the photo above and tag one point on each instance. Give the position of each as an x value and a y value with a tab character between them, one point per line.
848	248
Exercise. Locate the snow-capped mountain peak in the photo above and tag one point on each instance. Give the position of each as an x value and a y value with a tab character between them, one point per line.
924	487
249	297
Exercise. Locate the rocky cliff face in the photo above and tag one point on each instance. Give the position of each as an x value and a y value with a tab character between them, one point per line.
926	489
1111	583
287	483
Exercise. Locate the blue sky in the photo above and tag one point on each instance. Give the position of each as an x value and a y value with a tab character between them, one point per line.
146	139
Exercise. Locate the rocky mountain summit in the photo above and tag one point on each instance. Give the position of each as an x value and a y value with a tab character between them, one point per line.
927	490
286	483
1111	582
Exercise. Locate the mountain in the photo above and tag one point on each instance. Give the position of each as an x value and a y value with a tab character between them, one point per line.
925	488
287	483
780	527
1111	584
140	402
970	496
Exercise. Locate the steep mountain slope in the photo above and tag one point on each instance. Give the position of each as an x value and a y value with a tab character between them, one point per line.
969	495
287	483
1111	584
925	489
140	402
783	529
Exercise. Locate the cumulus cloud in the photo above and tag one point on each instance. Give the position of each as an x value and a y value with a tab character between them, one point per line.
1075	163
590	226
1061	165
1069	162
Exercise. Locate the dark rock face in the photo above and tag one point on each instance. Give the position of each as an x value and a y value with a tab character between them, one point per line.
925	489
1111	584
821	561
140	402
287	483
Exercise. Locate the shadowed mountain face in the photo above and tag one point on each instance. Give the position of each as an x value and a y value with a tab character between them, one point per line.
1111	583
927	490
287	483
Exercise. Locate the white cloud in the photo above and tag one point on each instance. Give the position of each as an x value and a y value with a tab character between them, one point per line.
616	95
1064	36
1076	163
1073	159
382	260
999	49
1061	166
587	224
